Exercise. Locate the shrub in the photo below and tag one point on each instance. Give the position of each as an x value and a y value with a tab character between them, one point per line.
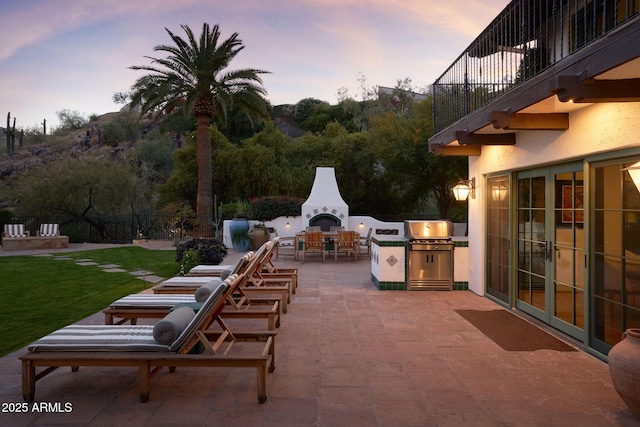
209	251
268	208
237	209
189	260
71	119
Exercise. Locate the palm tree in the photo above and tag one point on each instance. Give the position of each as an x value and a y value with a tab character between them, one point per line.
194	75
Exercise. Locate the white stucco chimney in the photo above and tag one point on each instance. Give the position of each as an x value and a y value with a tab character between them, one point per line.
325	200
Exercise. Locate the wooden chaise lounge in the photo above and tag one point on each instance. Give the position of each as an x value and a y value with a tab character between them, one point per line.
189	284
150	348
148	306
268	270
218	270
257	287
260	283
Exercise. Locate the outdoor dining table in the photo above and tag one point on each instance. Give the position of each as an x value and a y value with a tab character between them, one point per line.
328	236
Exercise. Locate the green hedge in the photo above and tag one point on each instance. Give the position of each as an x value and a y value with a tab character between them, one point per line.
268	208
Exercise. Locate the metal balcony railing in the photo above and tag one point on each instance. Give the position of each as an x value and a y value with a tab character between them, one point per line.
525	39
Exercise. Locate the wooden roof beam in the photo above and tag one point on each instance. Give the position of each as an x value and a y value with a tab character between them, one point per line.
576	89
465	138
456	150
527	121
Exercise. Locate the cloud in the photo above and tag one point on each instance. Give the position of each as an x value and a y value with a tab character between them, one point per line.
77	55
25	23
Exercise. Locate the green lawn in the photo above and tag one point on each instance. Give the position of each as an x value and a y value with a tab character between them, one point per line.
41	294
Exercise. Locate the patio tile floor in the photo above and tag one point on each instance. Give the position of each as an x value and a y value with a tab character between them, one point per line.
348	355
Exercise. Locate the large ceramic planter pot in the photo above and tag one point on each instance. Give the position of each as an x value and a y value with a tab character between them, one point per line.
236	227
624	366
259	238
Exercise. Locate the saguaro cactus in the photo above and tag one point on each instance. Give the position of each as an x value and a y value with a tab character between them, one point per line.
7	132
13	138
11	135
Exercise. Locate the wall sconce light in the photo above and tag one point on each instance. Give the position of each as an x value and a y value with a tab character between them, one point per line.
499	193
464	189
288	225
361	225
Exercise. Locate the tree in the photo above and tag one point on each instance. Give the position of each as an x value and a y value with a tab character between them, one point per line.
195	77
403	149
304	108
88	190
71	119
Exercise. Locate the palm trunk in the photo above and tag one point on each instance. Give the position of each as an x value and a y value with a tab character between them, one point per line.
204	200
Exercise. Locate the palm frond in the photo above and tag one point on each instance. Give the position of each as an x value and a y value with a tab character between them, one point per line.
196	67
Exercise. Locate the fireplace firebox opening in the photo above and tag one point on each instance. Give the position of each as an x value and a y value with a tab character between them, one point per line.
325	221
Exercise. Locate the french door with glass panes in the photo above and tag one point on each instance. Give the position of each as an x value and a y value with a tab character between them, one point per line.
498	241
615	254
550	246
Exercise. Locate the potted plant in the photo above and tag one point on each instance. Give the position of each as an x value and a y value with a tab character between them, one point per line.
259	235
239	228
240	239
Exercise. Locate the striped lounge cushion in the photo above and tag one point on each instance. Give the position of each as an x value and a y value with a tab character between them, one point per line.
183	281
153	301
210	269
14	230
116	338
48	230
100	338
216	270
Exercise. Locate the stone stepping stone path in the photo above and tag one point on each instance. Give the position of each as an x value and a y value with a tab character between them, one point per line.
114	270
107	266
146	276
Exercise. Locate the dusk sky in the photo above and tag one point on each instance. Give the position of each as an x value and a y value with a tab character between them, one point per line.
75	54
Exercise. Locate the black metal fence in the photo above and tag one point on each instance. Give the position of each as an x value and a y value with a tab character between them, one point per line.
525	39
118	229
150	225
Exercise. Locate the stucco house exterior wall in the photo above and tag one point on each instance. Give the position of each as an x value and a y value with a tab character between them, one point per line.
595	128
545	103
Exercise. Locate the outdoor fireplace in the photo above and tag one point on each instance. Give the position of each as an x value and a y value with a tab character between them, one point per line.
325	206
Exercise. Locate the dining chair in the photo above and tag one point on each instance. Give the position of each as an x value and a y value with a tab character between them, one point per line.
365	243
347	243
313	243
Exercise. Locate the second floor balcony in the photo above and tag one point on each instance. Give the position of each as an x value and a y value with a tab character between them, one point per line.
526	39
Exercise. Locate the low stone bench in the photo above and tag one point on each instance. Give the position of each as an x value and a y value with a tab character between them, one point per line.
34	242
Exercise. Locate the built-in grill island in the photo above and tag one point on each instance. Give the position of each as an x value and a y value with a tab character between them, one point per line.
429	252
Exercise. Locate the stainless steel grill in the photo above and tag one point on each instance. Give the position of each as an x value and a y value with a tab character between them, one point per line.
429	255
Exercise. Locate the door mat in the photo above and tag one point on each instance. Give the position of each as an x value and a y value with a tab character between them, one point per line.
511	332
